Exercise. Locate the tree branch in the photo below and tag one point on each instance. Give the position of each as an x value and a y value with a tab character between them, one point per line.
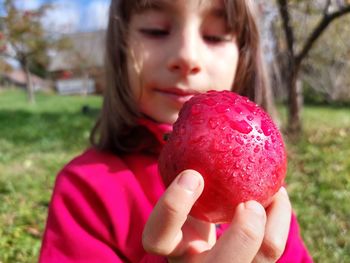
326	7
318	30
288	30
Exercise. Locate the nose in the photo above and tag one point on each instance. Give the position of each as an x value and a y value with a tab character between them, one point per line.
184	55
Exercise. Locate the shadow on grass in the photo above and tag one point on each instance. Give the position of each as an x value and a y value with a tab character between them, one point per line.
46	130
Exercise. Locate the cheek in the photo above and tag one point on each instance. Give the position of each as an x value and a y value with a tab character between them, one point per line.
225	68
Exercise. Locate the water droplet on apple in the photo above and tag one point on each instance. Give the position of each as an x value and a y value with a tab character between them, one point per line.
217	146
239	110
209	102
237	152
256	149
241	126
196	109
229	138
197	139
222	108
213	123
267	145
265	126
251	159
233	175
237	165
239	140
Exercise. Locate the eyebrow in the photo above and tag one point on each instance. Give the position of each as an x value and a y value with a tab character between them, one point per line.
159	5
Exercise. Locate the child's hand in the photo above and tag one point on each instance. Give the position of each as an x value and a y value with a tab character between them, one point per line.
254	235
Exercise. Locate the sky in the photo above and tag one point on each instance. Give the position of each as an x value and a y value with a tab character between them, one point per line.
69	16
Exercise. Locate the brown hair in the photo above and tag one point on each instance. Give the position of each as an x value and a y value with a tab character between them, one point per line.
116	129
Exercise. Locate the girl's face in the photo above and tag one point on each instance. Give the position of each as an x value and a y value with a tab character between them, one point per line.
178	48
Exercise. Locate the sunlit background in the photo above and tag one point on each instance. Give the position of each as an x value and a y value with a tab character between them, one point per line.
68	16
48	107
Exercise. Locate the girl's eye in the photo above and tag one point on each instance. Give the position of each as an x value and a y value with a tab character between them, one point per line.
216	39
154	32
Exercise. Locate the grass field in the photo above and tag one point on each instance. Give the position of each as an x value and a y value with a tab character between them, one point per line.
37	140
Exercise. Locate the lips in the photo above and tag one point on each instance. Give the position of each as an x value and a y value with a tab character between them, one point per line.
178	91
177	95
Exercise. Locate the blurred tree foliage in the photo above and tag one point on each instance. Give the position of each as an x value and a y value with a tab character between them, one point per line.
25	39
326	70
303	49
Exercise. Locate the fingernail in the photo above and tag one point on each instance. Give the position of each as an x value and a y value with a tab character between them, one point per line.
188	181
283	190
255	207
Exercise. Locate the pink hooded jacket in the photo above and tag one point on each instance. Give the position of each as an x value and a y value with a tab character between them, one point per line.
101	203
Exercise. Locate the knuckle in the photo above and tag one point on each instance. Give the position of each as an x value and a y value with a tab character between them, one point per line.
250	233
176	207
151	245
272	249
172	207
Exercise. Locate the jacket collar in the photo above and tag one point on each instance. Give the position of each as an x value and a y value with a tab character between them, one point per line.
157	129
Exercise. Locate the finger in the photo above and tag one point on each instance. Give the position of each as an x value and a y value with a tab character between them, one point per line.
277	228
242	240
162	234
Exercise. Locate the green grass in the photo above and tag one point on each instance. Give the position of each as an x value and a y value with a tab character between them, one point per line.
319	182
37	140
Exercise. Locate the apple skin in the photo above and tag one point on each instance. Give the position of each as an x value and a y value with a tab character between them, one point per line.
234	144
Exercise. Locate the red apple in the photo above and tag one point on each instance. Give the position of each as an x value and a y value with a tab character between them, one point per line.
234	145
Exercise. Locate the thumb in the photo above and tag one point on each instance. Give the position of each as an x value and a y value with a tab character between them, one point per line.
163	231
242	240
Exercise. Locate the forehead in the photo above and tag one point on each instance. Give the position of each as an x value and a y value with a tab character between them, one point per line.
235	12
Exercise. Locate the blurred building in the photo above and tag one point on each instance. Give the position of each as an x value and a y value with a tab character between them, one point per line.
79	69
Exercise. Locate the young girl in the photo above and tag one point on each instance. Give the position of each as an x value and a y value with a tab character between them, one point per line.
109	204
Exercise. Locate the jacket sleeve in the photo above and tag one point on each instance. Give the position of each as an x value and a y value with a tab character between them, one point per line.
77	225
98	211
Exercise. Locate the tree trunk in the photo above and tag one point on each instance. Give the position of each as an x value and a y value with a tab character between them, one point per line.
295	102
29	84
85	82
